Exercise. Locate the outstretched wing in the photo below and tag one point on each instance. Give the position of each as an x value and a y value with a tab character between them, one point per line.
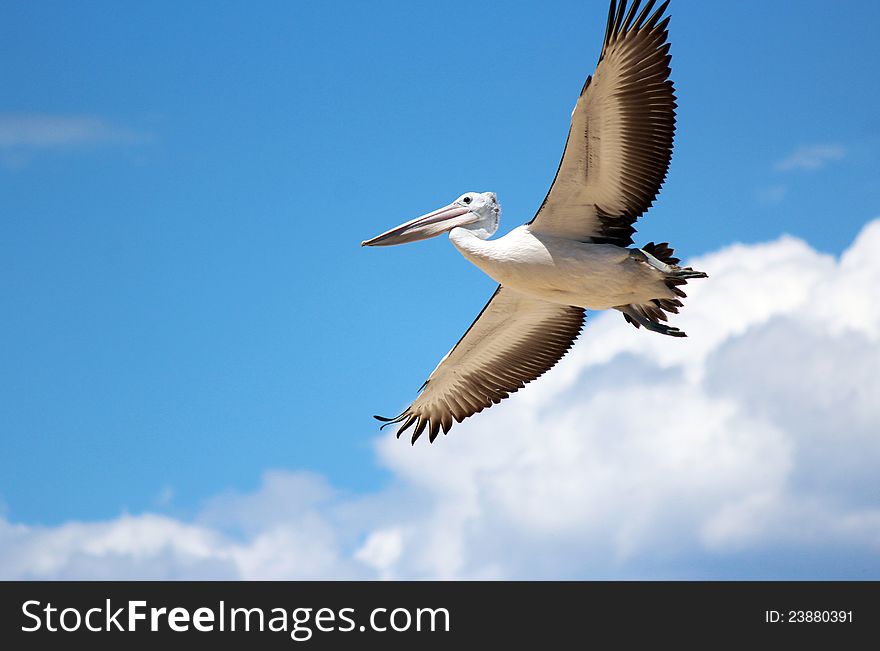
620	142
514	340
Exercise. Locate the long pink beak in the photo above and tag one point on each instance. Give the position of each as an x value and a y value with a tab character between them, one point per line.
421	228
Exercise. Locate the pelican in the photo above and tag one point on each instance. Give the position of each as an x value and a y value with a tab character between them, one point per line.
576	253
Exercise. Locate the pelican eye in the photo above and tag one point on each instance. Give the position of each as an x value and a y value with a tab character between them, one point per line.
467	199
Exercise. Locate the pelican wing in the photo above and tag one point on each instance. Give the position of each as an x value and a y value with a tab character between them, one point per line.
620	141
514	340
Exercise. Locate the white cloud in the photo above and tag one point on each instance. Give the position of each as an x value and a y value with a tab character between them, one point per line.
147	546
39	131
382	550
748	450
811	157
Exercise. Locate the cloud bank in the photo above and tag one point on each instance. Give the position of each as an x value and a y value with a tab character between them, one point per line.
749	450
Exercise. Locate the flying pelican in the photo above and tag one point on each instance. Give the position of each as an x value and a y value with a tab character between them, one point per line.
575	253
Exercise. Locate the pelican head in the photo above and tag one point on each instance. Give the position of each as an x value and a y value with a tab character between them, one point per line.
478	212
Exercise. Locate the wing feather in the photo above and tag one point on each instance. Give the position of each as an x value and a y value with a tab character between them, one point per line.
514	340
622	129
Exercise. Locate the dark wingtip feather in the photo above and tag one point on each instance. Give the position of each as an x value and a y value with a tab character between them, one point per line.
618	19
389	421
645	13
656	16
662	28
630	16
406	425
421	424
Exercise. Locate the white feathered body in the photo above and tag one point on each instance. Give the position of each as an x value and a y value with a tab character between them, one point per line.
564	271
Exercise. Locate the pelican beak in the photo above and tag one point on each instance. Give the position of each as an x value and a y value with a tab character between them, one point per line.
421	228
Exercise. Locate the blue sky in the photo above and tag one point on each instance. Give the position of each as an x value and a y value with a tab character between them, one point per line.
184	186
